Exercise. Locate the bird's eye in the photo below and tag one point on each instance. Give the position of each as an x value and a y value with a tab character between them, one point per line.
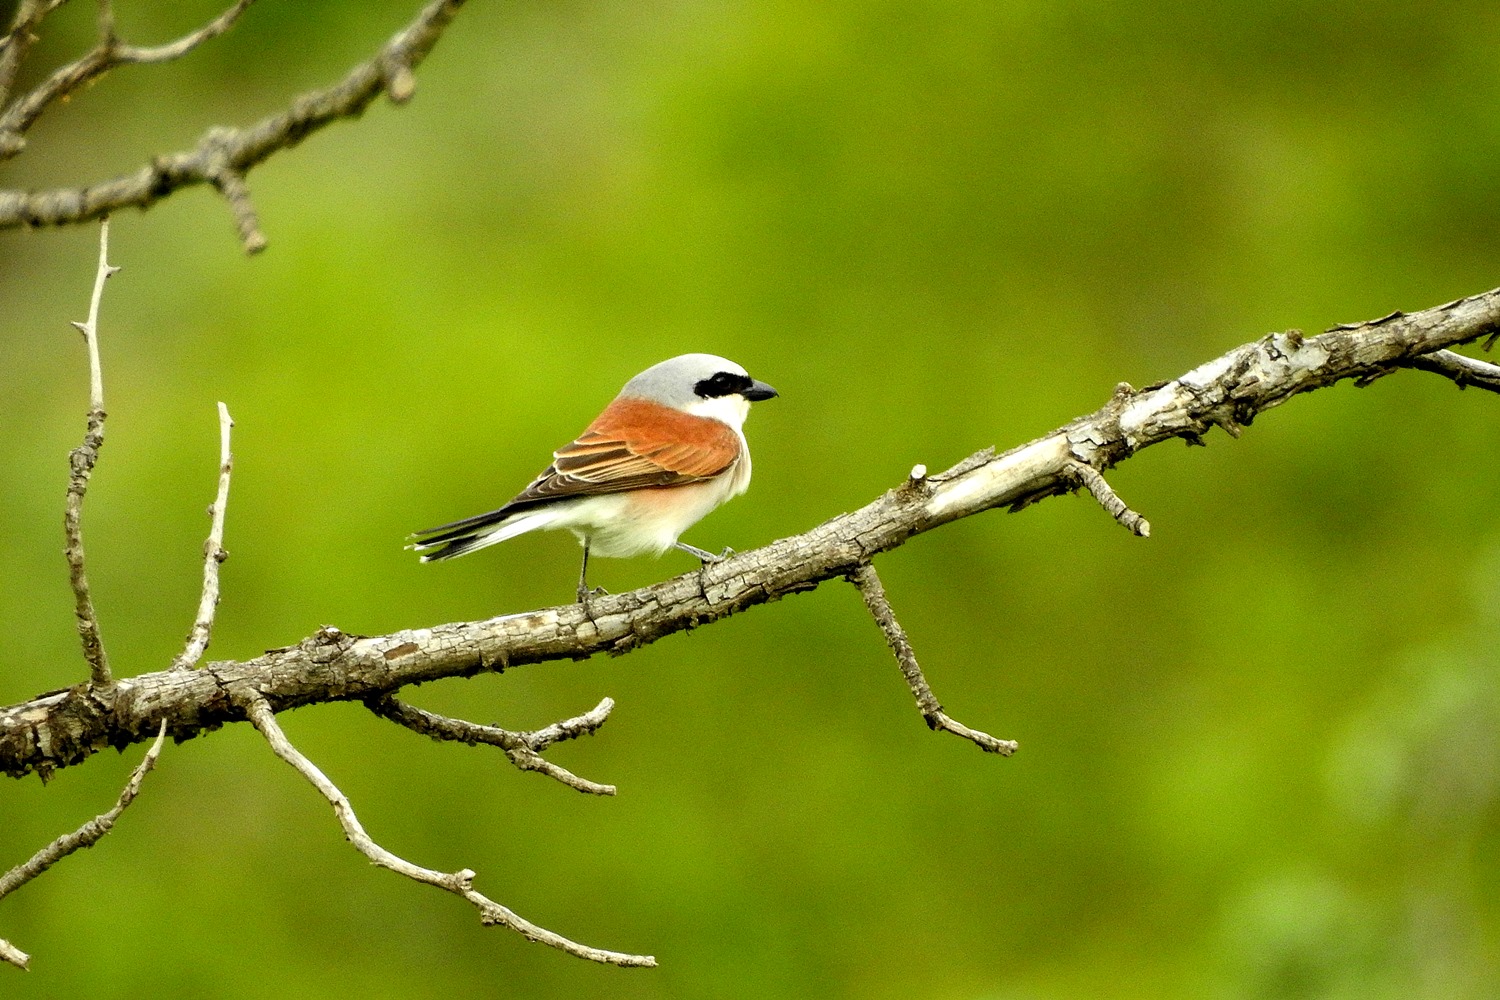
722	384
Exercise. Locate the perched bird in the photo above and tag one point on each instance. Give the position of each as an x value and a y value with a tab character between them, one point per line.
664	453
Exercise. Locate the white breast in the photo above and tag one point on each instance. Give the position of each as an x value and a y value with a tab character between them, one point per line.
651	520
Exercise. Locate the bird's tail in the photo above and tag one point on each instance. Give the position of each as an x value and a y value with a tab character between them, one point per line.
461	537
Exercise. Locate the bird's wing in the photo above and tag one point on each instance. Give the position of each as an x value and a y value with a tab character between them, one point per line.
635	444
632	445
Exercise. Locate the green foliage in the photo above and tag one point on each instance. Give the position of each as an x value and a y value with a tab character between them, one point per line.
1259	751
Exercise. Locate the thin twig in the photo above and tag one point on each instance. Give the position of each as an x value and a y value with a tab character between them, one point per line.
126	54
106	22
1462	370
570	729
1091	479
17	43
460	883
107	54
225	155
81	461
231	183
523	749
85	836
870	588
213	555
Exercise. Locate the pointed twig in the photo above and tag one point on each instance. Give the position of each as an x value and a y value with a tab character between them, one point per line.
85	836
870	588
460	883
213	555
82	460
523	749
1090	479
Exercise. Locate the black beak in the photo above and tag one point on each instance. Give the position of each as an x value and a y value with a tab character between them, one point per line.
758	391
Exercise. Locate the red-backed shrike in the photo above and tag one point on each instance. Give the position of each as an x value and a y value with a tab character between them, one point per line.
668	450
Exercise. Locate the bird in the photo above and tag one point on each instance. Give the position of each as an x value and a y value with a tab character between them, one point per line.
667	450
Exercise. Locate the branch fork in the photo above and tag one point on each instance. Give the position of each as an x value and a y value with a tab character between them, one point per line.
101	684
460	883
64	727
523	749
224	156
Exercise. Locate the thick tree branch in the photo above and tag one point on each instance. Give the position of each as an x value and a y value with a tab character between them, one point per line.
460	883
64	727
224	155
85	836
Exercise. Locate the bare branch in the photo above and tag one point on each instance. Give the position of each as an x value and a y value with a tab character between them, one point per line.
523	749
16	44
460	883
213	554
1463	371
225	155
1090	479
85	836
82	460
870	588
187	43
106	54
61	728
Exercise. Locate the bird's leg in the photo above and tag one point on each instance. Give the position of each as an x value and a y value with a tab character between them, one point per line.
583	577
584	593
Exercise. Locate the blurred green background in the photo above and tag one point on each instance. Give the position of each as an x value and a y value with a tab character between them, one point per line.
1260	751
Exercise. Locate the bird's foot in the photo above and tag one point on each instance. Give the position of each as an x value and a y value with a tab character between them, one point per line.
585	594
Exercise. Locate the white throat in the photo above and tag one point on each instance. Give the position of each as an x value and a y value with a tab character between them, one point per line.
731	409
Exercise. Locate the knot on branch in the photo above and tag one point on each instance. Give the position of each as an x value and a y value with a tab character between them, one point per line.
400	81
326	644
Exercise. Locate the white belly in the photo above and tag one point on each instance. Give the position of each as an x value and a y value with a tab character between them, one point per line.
642	521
